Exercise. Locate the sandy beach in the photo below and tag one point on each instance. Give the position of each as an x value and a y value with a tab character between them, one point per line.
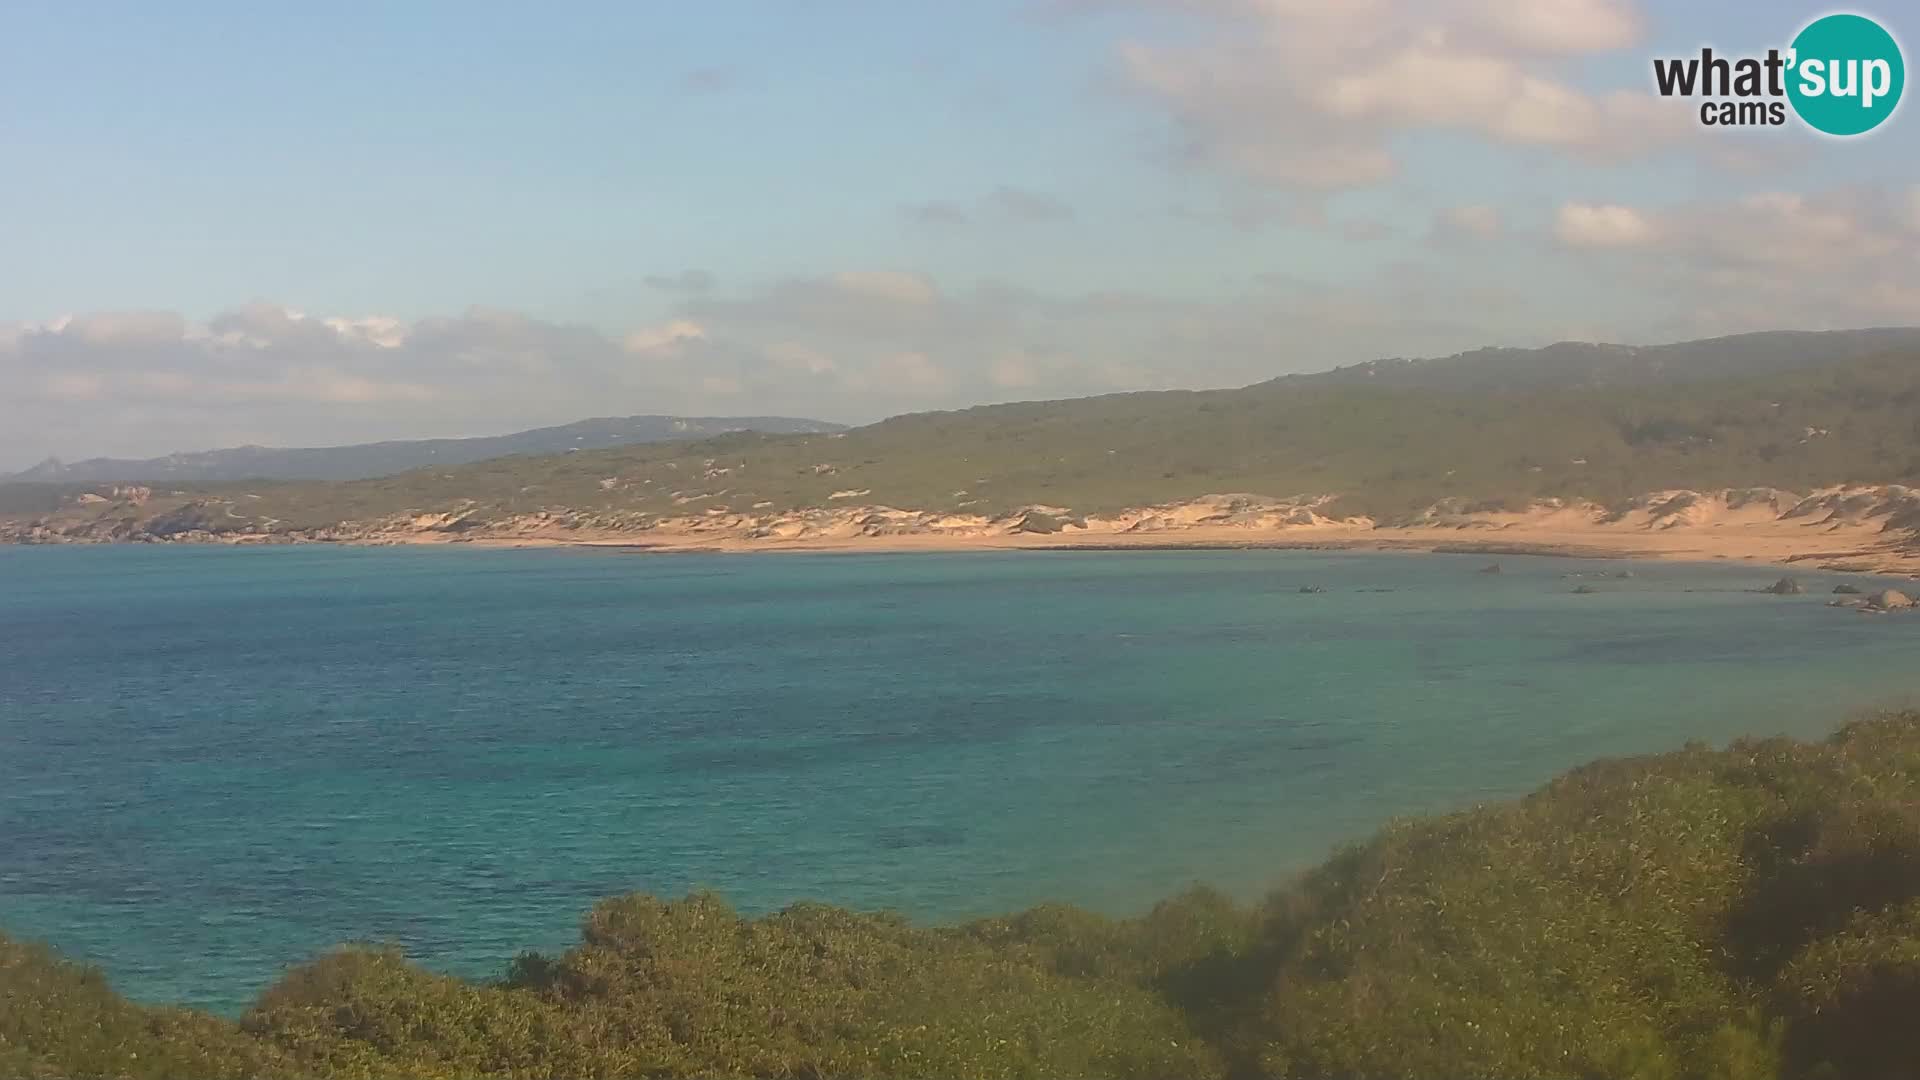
1860	529
1850	530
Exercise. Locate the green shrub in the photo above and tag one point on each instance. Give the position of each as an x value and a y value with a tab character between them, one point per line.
366	1013
1852	999
61	1019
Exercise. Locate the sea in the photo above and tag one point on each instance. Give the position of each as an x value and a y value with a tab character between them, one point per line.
216	762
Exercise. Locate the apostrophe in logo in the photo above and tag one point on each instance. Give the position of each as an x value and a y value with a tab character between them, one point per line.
1847	75
1842	75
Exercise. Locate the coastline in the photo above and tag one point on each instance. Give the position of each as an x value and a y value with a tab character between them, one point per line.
1857	550
1846	529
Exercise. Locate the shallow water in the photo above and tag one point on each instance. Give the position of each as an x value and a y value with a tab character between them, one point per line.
215	761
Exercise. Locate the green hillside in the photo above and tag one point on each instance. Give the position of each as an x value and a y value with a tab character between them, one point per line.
1746	914
1576	364
257	463
1385	448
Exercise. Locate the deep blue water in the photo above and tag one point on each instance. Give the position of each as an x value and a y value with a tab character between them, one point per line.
216	761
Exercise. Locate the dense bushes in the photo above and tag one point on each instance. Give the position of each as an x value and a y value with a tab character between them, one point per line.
58	1020
1746	914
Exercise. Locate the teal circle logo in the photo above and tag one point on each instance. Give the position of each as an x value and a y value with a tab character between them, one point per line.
1846	75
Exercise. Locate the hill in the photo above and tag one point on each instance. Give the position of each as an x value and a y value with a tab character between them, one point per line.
1569	364
380	459
1383	448
1746	914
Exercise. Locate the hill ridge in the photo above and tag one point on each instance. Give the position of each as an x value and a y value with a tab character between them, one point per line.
355	461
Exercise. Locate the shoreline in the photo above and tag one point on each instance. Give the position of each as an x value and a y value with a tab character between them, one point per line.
1844	529
1877	556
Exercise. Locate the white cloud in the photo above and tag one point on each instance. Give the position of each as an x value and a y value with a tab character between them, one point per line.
123	327
382	331
792	356
1562	26
1433	83
1310	95
1585	225
163	383
263	325
297	385
891	285
664	338
140	383
322	385
905	372
1788	229
74	386
1768	260
1789	233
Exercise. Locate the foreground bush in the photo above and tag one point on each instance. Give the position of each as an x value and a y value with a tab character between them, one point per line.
1746	914
1660	917
691	989
59	1019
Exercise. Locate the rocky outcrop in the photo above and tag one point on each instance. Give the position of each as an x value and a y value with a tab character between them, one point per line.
1786	586
1891	506
1889	600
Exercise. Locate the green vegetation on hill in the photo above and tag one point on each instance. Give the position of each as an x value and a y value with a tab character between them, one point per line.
264	463
1389	451
35	498
1746	914
1389	445
1575	364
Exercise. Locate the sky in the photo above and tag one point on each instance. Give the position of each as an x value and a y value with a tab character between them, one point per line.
224	224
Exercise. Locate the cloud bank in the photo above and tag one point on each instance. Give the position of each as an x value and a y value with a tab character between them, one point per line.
1312	97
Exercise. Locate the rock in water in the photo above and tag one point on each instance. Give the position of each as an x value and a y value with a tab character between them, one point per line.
1490	568
1312	589
1844	589
1584	590
1786	586
1889	600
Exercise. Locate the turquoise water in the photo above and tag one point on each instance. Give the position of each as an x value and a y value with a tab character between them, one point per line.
215	761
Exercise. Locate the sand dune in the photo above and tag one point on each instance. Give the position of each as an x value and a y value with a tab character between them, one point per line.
1859	528
1843	528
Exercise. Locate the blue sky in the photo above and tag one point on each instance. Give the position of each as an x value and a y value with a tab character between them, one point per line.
227	222
437	156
